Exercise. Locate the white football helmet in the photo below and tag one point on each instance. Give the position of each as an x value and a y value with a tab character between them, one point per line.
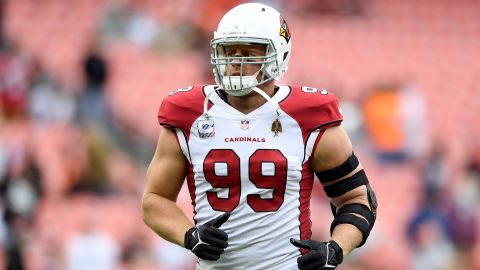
247	24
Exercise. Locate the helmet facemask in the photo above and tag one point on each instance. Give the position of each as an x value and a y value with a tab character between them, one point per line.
241	84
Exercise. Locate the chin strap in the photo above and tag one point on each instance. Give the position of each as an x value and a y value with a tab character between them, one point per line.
276	125
205	103
275	105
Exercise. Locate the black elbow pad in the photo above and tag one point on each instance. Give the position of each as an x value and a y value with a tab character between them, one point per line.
358	215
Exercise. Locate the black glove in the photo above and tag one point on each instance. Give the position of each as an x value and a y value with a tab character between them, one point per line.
207	241
321	255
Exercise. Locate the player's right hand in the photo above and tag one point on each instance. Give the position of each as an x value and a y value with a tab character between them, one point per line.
207	241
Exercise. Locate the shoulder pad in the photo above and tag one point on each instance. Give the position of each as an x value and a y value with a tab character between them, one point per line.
181	107
312	108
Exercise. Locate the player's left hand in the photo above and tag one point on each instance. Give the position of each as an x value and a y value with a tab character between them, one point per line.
321	255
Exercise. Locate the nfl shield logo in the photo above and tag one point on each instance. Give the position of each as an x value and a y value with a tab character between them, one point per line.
244	124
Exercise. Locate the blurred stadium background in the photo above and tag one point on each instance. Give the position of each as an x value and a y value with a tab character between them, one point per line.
81	83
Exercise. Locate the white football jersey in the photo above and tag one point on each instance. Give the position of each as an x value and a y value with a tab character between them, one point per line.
253	166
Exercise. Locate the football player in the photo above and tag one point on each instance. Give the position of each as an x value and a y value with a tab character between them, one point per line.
249	150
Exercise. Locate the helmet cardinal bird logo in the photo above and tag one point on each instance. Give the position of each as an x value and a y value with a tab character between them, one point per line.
284	32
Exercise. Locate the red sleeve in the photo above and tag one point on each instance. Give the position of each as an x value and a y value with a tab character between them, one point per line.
312	110
181	108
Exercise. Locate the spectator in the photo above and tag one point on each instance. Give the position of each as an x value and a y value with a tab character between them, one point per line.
462	216
172	256
432	247
94	175
142	29
93	106
433	250
92	248
394	120
435	173
49	102
15	71
20	191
